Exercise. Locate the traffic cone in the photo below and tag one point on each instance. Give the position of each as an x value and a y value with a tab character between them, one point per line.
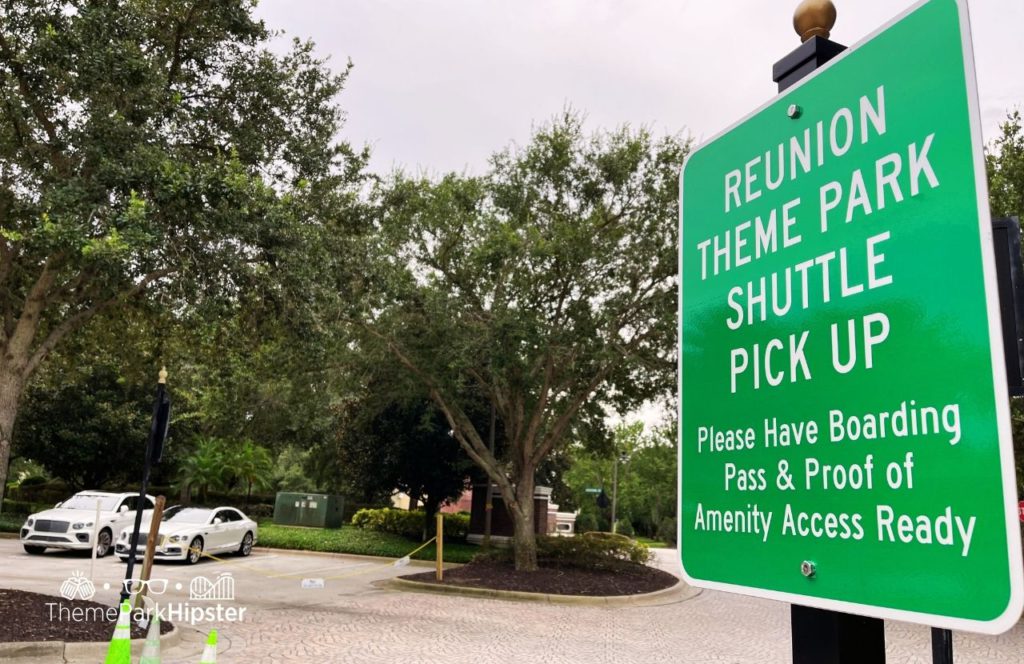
151	651
210	651
120	649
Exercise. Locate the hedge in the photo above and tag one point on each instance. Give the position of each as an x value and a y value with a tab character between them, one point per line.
409	523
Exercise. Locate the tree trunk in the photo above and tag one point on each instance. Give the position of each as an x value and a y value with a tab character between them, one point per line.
10	396
525	545
248	494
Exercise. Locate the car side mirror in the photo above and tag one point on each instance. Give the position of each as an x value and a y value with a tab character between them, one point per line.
57	505
218	521
122	509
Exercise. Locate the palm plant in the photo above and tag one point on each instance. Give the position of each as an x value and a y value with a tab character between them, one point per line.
203	469
251	464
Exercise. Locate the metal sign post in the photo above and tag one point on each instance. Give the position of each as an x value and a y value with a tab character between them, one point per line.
154	452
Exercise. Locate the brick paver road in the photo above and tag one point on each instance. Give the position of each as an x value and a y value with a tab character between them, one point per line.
351	620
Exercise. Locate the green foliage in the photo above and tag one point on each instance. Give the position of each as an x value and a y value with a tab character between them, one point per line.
594	551
258	512
249	464
23	508
10	524
161	157
290	471
647	478
586	521
548	285
221	464
409	523
358	541
667	530
390	438
1005	165
88	431
203	469
624	527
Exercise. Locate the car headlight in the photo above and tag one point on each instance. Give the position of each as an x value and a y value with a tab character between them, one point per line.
30	522
77	526
177	538
124	534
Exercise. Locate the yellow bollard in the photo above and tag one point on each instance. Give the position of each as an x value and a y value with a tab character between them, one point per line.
440	546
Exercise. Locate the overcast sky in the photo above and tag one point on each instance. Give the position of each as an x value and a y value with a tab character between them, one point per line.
439	85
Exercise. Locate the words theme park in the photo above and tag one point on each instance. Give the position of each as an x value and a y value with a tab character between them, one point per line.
845	423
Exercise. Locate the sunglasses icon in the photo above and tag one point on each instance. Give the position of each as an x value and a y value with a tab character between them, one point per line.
154	586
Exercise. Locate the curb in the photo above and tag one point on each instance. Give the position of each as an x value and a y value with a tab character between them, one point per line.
684	592
77	650
10	536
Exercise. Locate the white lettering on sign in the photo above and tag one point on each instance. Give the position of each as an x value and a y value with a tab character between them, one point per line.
743	185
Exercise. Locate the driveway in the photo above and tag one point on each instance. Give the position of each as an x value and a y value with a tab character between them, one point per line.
350	619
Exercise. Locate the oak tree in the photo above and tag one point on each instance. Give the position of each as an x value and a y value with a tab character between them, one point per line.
548	285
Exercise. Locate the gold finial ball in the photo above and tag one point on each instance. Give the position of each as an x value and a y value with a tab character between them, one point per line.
162	376
814	18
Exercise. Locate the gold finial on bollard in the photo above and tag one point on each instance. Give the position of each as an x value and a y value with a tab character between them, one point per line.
162	376
814	18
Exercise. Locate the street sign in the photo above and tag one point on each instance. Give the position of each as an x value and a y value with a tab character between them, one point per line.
592	490
845	433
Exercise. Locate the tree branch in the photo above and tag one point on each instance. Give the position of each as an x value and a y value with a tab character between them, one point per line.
83	316
179	36
463	430
33	102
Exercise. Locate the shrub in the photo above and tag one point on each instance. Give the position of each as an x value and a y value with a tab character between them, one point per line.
667	530
625	527
596	550
408	523
256	512
23	507
586	522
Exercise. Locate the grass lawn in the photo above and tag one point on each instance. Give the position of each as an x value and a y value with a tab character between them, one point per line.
357	541
654	544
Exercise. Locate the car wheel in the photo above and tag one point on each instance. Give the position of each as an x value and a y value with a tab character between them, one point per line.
246	547
33	549
103	543
195	551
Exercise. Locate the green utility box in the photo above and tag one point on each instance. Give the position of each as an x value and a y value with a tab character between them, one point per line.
316	510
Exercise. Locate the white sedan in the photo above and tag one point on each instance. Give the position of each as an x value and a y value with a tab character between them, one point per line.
187	533
72	523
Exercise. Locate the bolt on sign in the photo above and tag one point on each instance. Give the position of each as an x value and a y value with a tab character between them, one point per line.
845	438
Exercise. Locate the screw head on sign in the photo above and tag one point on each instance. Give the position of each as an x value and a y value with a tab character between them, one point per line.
794	111
807	568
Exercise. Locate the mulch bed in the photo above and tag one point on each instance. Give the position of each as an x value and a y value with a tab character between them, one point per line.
25	616
627	579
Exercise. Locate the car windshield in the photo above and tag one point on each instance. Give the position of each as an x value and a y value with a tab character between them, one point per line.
179	514
87	501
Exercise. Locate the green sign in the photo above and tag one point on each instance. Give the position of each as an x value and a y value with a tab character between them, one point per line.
845	433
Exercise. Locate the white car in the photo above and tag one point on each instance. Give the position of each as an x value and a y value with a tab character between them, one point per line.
187	533
71	524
